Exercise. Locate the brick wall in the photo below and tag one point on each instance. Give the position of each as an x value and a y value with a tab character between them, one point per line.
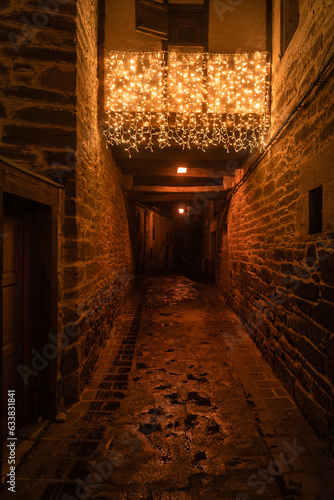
49	111
281	278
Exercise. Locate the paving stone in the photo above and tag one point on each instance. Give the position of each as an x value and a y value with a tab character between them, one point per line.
171	421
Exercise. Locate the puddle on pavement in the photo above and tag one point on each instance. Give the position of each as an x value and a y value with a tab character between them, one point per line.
169	314
213	428
199	456
200	377
199	400
141	365
174	398
172	323
191	421
233	462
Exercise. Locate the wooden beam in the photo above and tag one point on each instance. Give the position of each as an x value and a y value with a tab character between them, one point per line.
218	165
178	189
180	180
149	170
177	197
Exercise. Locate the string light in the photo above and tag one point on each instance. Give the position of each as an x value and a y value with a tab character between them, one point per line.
191	99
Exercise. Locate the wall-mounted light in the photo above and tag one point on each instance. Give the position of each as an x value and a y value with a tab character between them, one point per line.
181	170
181	210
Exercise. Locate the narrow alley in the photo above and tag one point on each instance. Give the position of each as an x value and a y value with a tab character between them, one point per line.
181	406
167	249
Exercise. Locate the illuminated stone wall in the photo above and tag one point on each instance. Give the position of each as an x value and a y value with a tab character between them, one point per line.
281	278
49	111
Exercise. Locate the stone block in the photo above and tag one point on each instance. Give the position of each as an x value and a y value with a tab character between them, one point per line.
70	188
304	306
311	410
70	360
308	291
58	79
312	354
326	266
311	255
72	276
324	315
327	293
329	363
3	113
70	387
39	94
41	136
70	208
284	374
327	132
45	54
18	155
70	227
47	116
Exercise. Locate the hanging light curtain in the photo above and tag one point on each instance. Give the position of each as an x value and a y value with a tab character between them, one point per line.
191	99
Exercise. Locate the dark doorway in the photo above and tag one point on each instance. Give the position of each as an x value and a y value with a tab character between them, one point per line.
27	309
12	296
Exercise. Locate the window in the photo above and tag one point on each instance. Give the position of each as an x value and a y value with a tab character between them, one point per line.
187	25
152	18
181	25
289	22
315	210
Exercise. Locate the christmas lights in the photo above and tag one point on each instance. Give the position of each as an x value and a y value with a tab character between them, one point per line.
191	99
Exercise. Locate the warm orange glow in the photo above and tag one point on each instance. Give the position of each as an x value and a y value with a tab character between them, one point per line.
190	99
181	210
181	170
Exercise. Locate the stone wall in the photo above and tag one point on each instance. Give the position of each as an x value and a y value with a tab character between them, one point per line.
37	84
281	278
49	105
98	271
237	26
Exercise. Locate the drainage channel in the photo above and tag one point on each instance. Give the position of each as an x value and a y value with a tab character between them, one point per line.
118	358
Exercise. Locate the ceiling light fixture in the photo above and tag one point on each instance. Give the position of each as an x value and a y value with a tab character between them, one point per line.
181	170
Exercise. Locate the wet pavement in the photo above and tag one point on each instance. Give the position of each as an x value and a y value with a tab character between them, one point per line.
181	406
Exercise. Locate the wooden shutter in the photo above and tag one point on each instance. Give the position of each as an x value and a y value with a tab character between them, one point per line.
152	18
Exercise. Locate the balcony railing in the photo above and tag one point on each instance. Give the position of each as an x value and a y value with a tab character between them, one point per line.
190	99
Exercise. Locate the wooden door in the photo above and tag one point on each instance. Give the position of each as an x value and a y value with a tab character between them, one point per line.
12	296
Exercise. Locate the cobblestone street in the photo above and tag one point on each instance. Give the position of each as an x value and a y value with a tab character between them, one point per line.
181	406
